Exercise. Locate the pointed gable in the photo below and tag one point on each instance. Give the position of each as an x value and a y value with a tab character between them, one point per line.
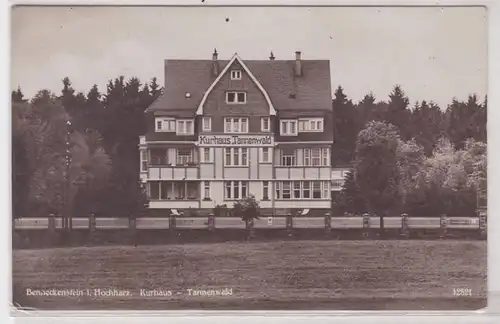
236	60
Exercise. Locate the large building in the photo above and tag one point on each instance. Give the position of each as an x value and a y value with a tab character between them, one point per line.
223	130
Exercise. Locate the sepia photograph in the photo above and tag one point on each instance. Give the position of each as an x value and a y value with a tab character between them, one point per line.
249	158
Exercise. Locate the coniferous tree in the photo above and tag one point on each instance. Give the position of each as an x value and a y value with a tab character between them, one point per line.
345	126
426	125
398	113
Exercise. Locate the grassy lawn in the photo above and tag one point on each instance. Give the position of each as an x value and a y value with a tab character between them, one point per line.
292	275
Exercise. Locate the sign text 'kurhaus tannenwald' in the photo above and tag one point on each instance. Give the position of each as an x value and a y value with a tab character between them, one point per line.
235	140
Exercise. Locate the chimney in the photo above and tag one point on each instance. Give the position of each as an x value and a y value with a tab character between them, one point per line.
215	64
272	56
298	64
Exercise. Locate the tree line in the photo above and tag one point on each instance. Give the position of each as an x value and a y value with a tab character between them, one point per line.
421	160
90	165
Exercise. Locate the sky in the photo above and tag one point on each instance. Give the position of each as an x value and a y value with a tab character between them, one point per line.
434	53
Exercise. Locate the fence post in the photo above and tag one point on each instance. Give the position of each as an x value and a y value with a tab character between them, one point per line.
92	223
289	224
328	224
250	230
482	224
172	226
405	231
51	238
52	223
366	225
443	223
211	222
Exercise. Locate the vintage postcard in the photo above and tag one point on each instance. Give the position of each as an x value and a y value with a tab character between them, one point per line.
249	158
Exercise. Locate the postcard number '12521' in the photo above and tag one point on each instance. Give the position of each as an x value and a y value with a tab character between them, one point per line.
461	292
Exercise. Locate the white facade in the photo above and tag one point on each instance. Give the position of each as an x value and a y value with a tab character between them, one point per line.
217	174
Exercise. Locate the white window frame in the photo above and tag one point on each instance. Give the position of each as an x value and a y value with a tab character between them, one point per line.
204	150
293	158
235	190
288	190
241	154
144	160
236	74
286	127
307	157
316	157
236	125
263	121
325	190
269	155
236	98
166	124
265	187
206	124
189	158
311	125
325	156
182	127
206	190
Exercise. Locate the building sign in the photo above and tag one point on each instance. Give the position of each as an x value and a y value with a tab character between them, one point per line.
235	140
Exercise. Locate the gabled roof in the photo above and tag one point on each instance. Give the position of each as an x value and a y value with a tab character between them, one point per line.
286	92
272	111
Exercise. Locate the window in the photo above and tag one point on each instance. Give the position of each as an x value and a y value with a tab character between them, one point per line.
265	190
288	157
236	189
301	190
144	160
316	189
206	189
236	97
265	124
337	183
236	125
235	75
206	154
184	156
316	156
326	156
207	124
154	190
235	156
165	124
306	189
185	127
265	155
244	157
288	127
307	157
311	125
326	189
286	190
296	189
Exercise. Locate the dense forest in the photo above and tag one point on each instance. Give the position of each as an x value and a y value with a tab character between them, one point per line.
83	149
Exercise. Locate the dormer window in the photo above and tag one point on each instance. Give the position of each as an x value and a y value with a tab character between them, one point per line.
288	127
235	75
185	127
265	124
311	125
165	124
207	124
236	97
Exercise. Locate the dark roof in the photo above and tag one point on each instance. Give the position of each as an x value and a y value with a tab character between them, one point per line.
312	90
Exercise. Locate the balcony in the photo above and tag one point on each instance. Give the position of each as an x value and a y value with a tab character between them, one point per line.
179	165
174	194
